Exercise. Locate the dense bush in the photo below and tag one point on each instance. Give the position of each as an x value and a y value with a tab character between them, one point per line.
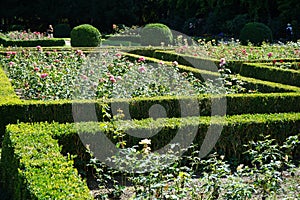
62	30
85	35
155	34
255	33
42	172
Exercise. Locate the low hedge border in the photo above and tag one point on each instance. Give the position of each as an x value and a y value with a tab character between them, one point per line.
207	73
32	43
269	73
38	170
7	92
129	38
34	168
250	68
61	111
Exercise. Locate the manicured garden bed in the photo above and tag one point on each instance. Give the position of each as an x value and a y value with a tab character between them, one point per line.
41	86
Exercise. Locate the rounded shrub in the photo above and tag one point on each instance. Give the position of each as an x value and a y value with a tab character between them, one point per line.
62	30
85	35
155	34
255	33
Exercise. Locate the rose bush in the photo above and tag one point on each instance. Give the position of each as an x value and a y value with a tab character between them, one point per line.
66	75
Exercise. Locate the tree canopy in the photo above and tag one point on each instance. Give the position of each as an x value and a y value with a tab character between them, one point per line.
194	17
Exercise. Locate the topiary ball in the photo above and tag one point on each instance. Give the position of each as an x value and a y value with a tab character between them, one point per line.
155	34
85	35
256	33
62	30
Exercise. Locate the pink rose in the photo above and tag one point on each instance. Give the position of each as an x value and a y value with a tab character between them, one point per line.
141	59
112	79
222	62
84	77
142	69
44	75
175	63
79	52
270	54
39	48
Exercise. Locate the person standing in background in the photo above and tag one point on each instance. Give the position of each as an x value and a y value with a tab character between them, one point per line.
50	31
289	32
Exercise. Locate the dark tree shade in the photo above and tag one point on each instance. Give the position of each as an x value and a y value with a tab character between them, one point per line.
204	16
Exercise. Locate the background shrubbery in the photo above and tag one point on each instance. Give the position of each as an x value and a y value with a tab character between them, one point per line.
156	34
256	33
85	35
62	30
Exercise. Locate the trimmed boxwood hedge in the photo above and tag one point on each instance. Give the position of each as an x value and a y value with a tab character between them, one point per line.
256	33
155	34
61	111
269	73
33	167
206	69
129	38
85	35
38	170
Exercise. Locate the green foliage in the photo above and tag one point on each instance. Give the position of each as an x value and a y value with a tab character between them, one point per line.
7	92
43	170
32	43
236	24
36	169
271	73
55	82
202	67
256	33
269	160
85	35
62	30
156	34
118	39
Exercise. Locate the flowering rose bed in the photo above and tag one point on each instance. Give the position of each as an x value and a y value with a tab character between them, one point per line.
232	50
285	65
24	35
37	74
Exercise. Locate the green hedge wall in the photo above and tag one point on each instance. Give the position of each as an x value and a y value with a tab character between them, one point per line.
256	69
206	69
61	111
269	73
236	131
32	43
7	93
130	38
33	167
39	171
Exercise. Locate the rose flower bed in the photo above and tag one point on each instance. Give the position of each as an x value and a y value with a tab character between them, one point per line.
36	74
